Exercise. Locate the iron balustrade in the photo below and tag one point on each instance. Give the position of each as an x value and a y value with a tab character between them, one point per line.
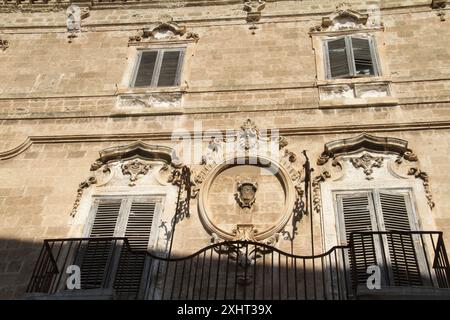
243	270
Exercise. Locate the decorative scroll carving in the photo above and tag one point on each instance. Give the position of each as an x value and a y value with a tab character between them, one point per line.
84	185
439	5
316	190
367	162
345	18
4	44
134	169
246	193
417	173
166	29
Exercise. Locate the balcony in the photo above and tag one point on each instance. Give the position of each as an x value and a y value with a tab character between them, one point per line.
407	265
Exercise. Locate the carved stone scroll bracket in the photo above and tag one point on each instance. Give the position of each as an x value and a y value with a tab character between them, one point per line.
84	185
135	168
439	6
418	174
367	162
4	44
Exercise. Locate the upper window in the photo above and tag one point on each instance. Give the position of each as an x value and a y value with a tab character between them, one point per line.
350	57
158	68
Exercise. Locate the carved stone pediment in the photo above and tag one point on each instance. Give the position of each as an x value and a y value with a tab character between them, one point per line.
366	142
166	29
345	18
139	148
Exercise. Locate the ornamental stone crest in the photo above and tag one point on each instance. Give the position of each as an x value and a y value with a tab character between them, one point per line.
246	193
134	169
248	136
367	162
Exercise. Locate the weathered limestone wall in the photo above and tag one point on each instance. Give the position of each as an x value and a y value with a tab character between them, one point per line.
58	105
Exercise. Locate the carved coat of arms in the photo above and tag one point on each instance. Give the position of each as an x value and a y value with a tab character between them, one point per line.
246	193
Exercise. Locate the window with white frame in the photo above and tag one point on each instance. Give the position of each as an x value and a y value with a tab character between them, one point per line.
158	68
351	56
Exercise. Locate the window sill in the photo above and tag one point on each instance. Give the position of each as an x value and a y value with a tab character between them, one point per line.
164	98
358	102
356	93
352	80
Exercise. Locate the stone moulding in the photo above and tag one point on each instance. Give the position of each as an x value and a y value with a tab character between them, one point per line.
284	178
138	148
366	142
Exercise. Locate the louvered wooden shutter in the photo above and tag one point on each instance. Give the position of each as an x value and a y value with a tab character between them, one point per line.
168	74
338	60
363	57
97	254
357	211
146	69
131	265
402	253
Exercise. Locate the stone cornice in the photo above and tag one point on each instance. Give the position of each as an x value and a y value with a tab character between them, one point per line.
295	131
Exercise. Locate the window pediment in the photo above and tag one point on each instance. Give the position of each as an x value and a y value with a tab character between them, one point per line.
344	19
165	30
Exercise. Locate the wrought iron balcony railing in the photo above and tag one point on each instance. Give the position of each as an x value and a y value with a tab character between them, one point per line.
243	270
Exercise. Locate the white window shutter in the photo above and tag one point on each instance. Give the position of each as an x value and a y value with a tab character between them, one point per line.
97	254
402	252
146	68
338	58
362	55
138	230
358	213
168	75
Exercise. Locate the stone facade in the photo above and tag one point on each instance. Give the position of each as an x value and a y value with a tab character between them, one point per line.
65	97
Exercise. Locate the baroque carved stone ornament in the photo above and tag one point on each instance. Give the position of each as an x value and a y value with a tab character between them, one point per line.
4	44
134	169
439	5
367	162
166	29
246	193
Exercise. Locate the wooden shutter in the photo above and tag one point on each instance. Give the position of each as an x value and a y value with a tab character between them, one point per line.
97	254
338	58
402	253
168	75
131	264
357	212
146	69
363	57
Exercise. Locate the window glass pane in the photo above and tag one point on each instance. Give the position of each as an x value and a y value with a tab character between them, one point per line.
169	67
146	69
338	58
363	57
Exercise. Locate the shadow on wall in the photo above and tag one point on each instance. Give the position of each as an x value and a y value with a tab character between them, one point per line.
17	260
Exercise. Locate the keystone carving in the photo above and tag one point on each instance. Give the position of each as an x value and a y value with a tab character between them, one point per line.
253	9
367	162
134	169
